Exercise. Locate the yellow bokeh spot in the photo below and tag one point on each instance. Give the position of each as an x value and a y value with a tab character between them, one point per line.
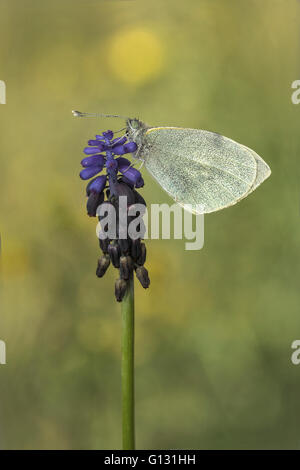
135	56
14	259
98	334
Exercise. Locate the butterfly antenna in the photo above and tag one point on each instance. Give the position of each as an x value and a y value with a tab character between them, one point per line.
80	114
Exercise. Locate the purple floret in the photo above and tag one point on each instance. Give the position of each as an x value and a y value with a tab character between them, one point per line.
94	163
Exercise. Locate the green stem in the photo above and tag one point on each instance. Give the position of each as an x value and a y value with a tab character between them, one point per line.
128	367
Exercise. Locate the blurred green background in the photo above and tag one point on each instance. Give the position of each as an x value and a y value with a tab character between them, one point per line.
214	331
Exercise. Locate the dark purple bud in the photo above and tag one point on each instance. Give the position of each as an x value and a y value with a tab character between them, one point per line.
120	289
130	147
90	184
138	198
126	267
103	264
140	182
100	145
119	150
108	135
89	172
124	245
94	200
135	248
123	163
133	175
93	160
123	179
91	150
104	244
122	189
119	141
114	254
97	184
142	255
142	275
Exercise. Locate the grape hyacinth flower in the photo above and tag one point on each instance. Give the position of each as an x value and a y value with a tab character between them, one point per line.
113	180
104	154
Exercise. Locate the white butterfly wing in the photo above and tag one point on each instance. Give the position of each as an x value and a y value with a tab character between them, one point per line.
199	167
263	170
